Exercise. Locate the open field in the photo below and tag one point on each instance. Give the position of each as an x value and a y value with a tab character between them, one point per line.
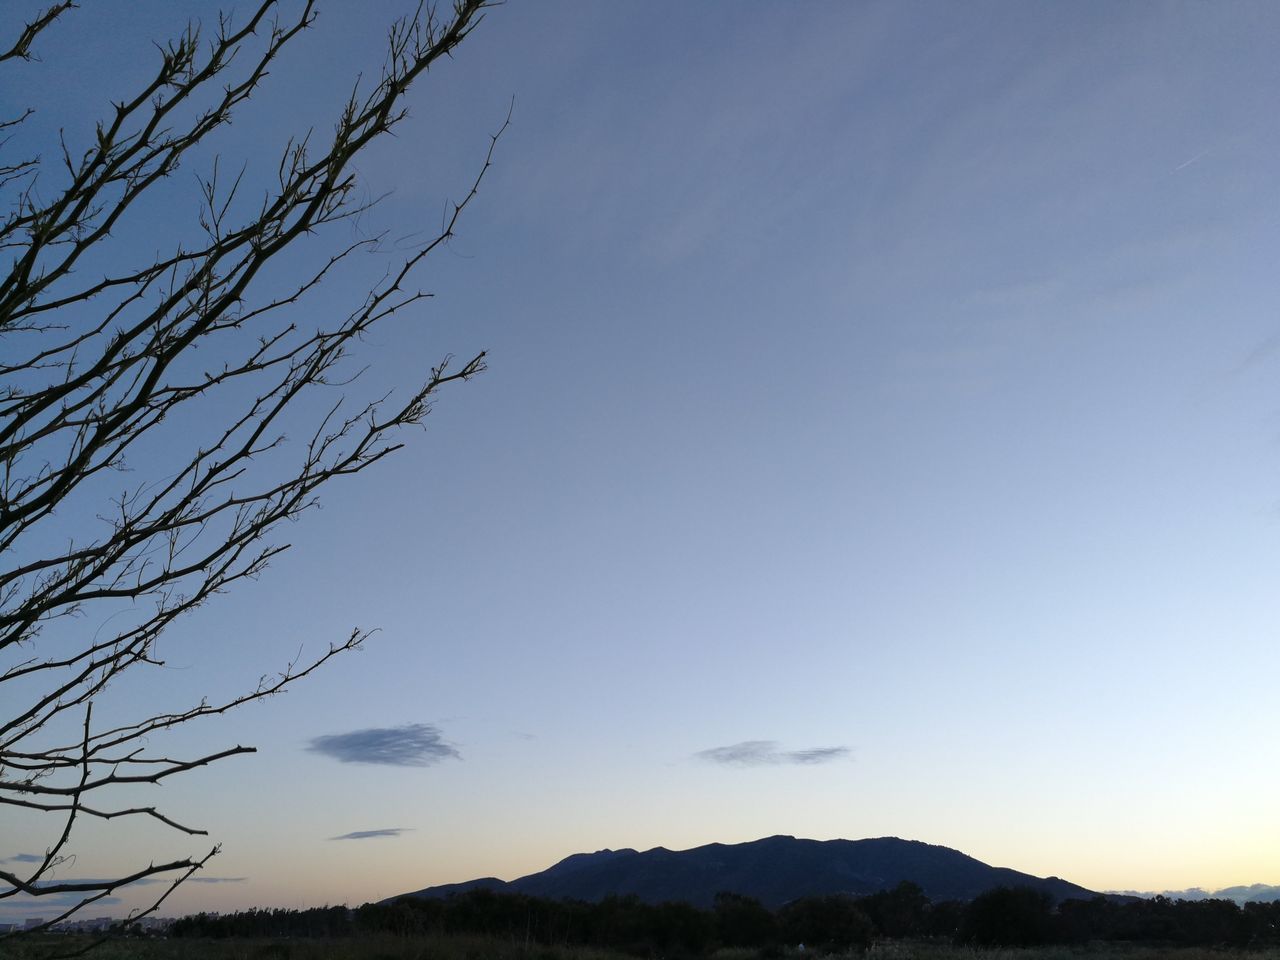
472	948
1098	951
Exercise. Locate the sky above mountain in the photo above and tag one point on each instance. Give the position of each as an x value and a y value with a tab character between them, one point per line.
881	437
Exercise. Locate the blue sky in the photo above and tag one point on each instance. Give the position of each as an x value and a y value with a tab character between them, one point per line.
891	381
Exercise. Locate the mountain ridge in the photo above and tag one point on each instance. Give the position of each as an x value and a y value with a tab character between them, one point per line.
1240	893
773	870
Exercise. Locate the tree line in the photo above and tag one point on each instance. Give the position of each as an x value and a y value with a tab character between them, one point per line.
1001	917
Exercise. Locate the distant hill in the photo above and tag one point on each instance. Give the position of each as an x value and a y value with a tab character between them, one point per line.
1254	893
774	870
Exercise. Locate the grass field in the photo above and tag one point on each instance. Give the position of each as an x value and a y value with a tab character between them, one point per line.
472	948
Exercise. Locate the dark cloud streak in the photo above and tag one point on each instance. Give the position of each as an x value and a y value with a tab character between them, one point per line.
24	905
370	834
764	753
413	745
141	882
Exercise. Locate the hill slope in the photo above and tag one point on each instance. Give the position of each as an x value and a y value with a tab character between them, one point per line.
774	870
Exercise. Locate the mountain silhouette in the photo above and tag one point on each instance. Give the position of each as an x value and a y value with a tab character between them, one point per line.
1241	894
775	870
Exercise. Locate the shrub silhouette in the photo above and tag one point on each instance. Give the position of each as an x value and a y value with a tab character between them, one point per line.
828	924
1008	917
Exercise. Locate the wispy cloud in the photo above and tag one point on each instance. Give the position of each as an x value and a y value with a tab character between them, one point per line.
761	753
24	858
369	834
1186	163
142	882
22	905
28	905
413	745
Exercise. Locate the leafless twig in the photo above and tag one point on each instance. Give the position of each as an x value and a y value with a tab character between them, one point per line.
95	368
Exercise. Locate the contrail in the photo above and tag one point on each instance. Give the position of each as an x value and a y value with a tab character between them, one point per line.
1187	163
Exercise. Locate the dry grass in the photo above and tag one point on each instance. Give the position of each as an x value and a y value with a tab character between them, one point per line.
1094	951
362	948
476	948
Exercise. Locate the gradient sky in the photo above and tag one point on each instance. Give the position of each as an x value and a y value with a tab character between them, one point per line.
881	437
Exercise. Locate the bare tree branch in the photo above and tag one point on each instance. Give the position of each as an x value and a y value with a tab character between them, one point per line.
21	48
208	352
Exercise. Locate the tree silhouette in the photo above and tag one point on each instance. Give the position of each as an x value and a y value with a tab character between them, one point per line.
1008	917
197	363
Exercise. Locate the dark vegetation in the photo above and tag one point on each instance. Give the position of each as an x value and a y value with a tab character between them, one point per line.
1005	916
